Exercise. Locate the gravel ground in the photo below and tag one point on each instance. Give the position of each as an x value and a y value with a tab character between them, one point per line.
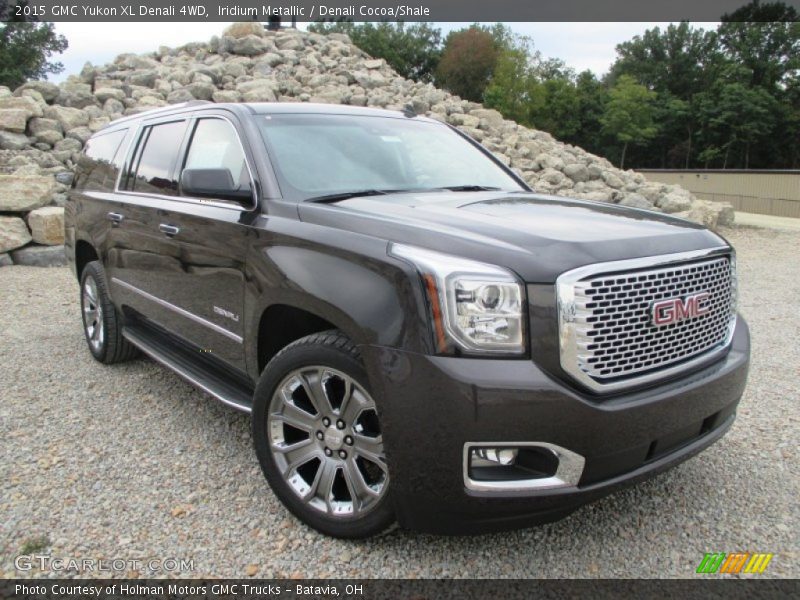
131	462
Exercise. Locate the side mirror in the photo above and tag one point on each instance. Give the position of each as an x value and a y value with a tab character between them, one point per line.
214	183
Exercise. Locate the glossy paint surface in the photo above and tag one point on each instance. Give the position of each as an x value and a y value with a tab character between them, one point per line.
214	282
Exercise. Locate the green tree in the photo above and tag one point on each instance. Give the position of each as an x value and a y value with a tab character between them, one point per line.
560	114
413	51
629	114
25	47
468	62
677	63
513	88
735	116
765	40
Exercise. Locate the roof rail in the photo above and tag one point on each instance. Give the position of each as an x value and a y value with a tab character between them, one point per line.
160	109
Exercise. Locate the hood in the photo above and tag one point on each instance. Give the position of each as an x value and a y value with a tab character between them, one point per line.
535	235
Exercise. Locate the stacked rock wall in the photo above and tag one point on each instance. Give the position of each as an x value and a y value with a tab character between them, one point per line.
44	126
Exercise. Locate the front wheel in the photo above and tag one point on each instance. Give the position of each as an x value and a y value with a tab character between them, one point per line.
318	437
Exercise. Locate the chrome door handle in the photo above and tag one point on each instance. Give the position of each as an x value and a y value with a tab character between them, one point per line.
115	218
169	230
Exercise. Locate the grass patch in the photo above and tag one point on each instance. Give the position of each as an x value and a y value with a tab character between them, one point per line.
35	544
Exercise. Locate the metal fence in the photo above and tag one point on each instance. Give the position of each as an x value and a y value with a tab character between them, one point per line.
775	193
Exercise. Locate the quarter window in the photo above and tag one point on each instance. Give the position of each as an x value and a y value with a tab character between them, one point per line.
157	159
100	163
215	145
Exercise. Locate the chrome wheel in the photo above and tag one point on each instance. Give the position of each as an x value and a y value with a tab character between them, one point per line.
93	315
326	440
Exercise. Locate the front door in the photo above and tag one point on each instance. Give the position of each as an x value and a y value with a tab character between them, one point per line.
208	237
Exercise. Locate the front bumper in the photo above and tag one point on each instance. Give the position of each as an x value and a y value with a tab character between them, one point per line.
432	406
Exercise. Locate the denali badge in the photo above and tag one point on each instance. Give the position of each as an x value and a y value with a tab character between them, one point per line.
666	312
226	313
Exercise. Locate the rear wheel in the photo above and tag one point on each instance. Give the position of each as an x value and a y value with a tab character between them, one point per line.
101	324
318	437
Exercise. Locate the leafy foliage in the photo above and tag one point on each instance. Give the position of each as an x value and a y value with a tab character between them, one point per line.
683	96
25	48
468	62
413	51
628	116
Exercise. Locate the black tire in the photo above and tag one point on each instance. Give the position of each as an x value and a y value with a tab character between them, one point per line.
109	346
333	350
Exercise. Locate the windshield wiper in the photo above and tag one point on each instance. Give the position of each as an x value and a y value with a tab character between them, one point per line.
469	188
328	198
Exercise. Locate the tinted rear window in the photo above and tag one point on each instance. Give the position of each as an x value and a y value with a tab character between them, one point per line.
156	164
101	161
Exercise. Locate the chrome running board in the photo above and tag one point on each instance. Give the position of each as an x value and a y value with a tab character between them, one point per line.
179	360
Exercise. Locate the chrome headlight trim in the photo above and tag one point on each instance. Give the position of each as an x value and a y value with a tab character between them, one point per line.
445	272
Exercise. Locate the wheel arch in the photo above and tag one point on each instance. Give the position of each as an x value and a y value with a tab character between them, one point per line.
85	253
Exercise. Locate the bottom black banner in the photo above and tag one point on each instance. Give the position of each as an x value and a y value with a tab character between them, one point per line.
369	589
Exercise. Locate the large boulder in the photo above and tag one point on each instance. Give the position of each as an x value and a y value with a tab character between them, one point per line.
23	193
249	45
46	131
68	117
10	140
26	104
47	225
240	30
13	233
48	90
12	119
40	256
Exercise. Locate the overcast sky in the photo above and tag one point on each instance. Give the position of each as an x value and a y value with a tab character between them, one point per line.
580	45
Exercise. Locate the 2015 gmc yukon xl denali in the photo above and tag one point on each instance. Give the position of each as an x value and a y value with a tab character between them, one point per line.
419	336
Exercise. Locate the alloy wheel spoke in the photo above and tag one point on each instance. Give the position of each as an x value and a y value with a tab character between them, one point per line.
91	290
296	417
312	382
298	454
347	401
322	487
359	489
370	448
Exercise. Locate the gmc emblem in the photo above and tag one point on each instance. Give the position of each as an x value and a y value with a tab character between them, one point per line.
666	312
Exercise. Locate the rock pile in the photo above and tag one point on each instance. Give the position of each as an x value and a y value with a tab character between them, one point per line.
43	126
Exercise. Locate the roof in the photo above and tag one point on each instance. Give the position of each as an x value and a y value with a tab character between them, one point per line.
266	108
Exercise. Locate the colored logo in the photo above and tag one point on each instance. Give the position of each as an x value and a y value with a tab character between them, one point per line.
734	562
674	310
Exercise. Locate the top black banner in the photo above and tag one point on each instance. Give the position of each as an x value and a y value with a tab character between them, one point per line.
371	10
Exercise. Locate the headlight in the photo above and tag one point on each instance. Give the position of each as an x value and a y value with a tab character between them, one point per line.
474	305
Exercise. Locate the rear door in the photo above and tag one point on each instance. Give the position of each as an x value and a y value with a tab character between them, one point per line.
141	264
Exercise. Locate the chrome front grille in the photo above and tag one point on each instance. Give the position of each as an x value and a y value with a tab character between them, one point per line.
608	335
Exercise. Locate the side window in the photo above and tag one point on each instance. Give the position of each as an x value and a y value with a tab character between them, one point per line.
160	145
100	162
215	145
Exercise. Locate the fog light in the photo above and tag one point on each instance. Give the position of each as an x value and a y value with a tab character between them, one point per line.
489	457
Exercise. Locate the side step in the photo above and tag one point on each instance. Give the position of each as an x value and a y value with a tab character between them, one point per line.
184	363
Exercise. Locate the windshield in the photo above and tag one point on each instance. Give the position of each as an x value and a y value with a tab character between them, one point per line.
321	155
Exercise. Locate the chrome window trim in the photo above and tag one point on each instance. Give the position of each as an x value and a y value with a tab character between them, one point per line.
565	295
196	120
568	473
192	119
181	311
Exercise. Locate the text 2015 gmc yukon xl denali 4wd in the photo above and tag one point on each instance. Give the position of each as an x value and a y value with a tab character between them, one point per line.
420	337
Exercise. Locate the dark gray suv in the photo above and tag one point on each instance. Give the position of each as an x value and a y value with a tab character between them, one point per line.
420	338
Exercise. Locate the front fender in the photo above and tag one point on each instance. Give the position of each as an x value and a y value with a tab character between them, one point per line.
347	279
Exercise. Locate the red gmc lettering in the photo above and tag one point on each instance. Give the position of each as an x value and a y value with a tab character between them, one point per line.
675	309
